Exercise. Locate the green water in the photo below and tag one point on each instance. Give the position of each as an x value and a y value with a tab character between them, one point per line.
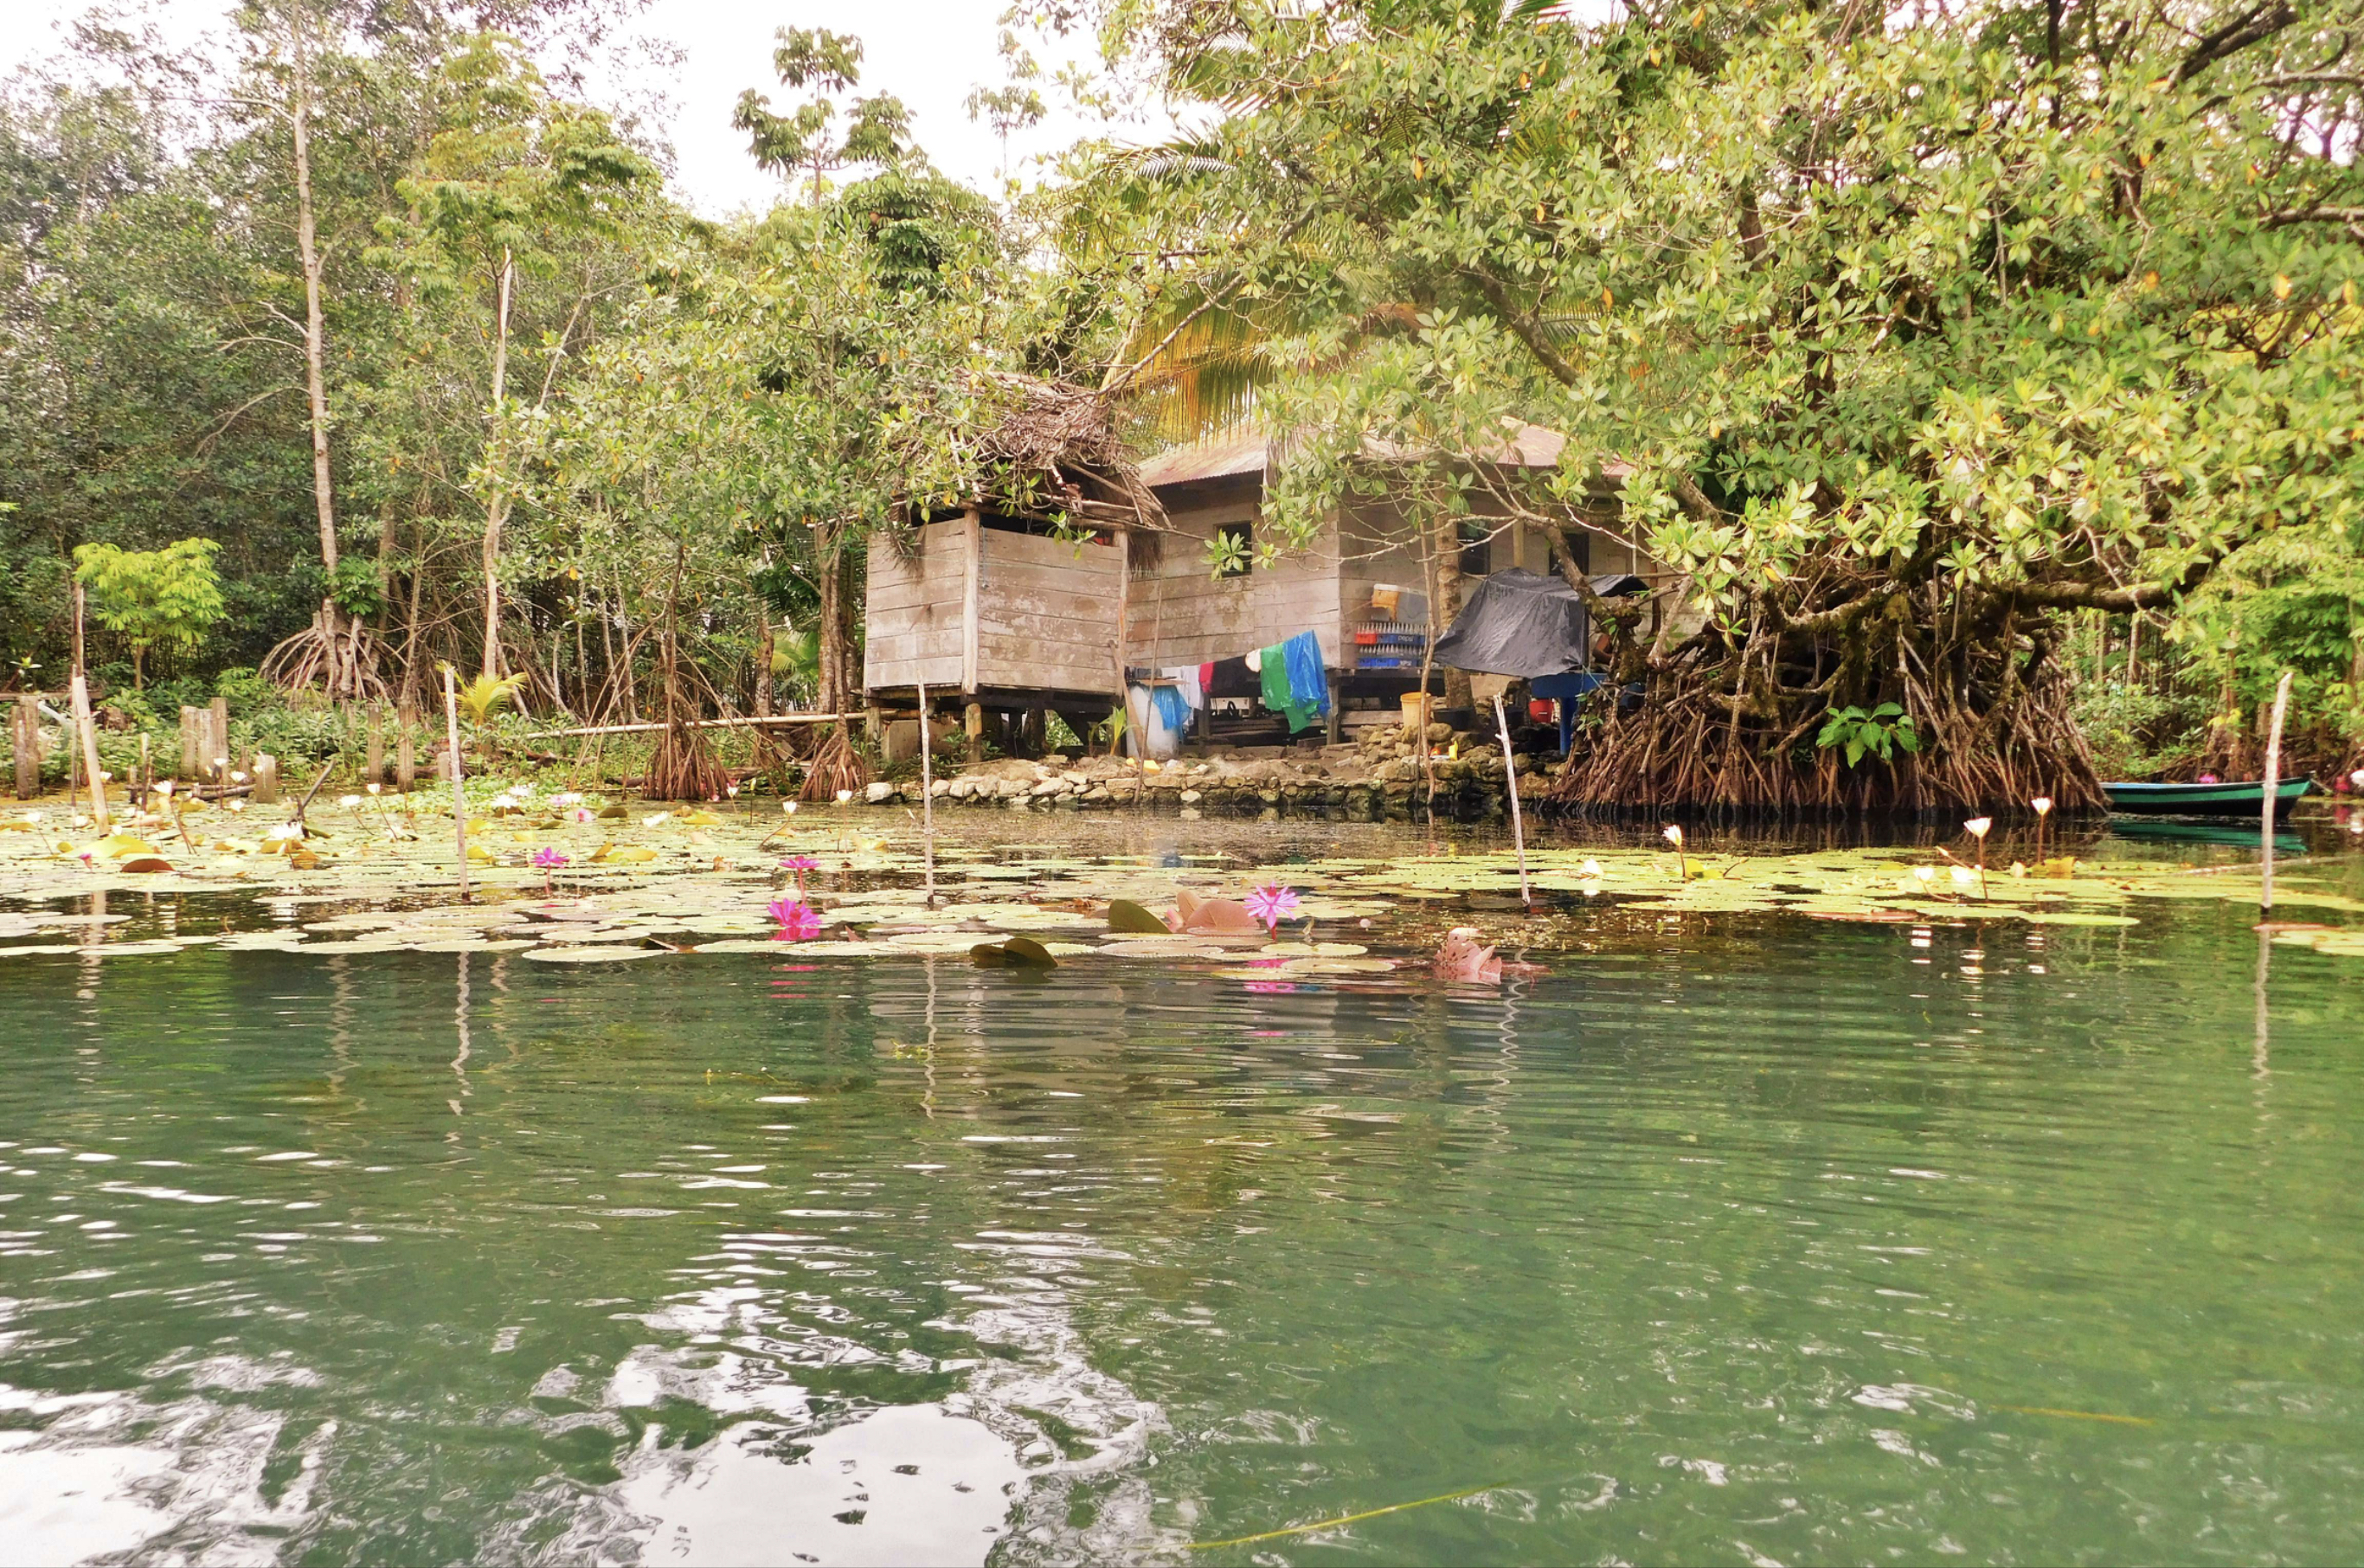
1793	1241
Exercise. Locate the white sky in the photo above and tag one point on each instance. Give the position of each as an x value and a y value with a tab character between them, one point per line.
930	53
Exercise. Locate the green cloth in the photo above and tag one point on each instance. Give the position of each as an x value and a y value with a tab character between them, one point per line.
1273	666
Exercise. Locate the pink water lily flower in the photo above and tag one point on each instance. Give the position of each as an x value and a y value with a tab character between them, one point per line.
798	920
1272	904
547	858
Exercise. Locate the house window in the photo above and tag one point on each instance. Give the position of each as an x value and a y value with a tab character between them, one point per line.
1235	548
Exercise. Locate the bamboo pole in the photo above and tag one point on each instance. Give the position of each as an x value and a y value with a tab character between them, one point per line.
927	793
88	732
1518	826
2273	790
459	796
741	722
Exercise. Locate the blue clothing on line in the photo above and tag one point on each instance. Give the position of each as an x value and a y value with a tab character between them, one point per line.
1309	683
1172	711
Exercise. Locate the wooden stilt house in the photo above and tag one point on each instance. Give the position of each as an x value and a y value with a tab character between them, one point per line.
1015	604
1360	586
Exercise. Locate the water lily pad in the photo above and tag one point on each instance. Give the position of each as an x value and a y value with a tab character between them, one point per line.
1125	916
1018	952
592	954
2078	918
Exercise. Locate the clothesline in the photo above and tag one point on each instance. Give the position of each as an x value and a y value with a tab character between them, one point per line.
1287	677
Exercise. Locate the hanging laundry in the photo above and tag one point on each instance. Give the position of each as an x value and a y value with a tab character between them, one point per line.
1171	710
1186	680
1309	683
1230	678
1288	687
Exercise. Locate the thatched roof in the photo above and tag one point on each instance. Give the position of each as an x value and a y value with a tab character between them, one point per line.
1059	445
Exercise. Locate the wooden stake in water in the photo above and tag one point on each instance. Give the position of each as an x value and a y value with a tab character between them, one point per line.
88	732
2273	792
1518	827
459	796
927	795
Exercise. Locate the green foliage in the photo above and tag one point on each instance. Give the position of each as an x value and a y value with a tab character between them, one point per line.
1899	331
170	595
822	64
1880	732
355	586
482	697
2118	719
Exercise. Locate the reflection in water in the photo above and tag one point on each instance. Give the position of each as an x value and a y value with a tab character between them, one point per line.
908	1483
1779	1241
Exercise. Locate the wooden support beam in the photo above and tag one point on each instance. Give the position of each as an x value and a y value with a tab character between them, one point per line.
973	541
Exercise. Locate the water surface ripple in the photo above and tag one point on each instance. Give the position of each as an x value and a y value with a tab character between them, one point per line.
1780	1242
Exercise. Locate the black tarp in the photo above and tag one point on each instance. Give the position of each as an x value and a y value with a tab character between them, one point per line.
1518	623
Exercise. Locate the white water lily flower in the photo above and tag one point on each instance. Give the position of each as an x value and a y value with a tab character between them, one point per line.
285	832
1964	876
788	808
36	816
238	806
843	795
1976	827
569	798
105	777
2043	804
1589	868
659	820
1926	873
375	787
1674	835
238	778
349	801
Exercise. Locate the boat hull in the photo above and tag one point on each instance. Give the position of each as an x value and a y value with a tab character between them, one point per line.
2236	799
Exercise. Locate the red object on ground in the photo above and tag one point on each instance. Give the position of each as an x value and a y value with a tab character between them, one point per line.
1540	709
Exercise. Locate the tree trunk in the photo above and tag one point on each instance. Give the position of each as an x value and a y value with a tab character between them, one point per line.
316	379
1448	604
762	659
833	625
497	512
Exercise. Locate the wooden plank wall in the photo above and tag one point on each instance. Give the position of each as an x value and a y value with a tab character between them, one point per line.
1182	615
1046	614
913	610
1380	549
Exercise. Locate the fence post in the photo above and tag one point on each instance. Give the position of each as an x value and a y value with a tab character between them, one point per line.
219	740
406	747
29	747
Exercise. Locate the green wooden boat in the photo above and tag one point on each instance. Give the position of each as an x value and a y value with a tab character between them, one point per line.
2232	799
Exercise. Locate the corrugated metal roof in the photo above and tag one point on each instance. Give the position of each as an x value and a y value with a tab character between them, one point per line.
1236	456
1232	458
